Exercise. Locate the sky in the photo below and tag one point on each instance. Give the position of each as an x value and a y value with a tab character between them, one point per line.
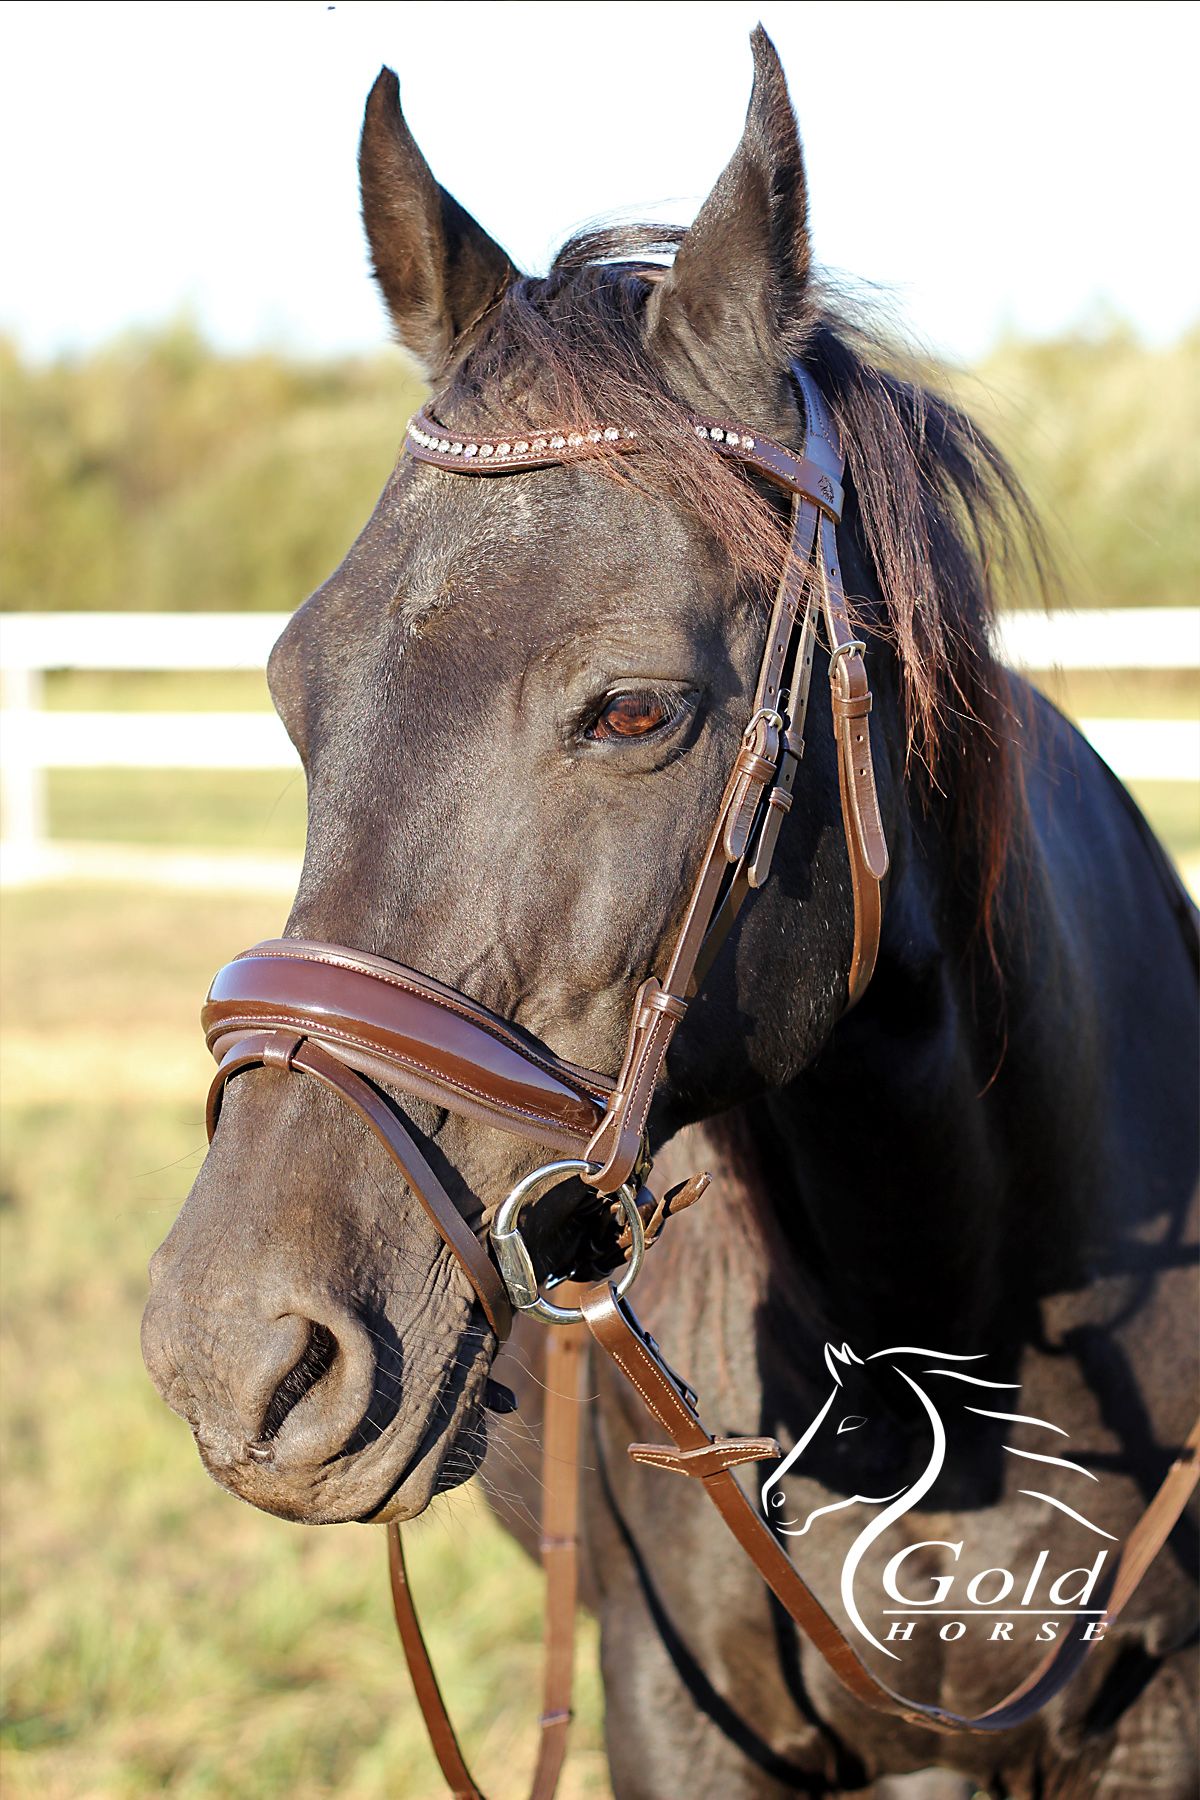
990	167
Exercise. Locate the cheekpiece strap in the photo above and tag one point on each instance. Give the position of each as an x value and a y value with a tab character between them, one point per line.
758	794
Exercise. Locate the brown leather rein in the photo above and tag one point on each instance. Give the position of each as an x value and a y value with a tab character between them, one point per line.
361	1025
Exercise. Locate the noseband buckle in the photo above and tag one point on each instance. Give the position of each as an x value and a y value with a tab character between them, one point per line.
512	1253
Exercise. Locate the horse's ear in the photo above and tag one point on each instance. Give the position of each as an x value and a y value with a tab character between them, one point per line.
834	1356
437	269
736	296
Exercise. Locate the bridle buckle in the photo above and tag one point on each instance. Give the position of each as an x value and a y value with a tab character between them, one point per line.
851	647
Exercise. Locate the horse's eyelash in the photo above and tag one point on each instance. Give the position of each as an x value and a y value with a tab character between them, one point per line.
673	703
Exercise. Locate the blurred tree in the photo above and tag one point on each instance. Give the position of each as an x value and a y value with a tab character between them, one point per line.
156	473
1103	432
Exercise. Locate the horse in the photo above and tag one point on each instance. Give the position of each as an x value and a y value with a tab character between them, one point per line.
516	702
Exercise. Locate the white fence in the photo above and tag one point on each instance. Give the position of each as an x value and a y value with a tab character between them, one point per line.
33	740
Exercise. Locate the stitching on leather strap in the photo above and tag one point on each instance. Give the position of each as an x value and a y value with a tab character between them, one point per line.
614	1333
706	1460
494	1029
322	1030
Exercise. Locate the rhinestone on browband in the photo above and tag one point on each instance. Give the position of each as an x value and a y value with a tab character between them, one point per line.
736	440
555	441
429	441
540	445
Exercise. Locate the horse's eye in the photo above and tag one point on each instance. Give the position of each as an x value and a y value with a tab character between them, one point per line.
851	1422
631	715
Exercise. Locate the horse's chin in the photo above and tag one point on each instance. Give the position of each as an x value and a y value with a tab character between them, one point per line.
460	1460
790	1529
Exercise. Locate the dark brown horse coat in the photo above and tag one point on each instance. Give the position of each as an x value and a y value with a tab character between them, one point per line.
516	704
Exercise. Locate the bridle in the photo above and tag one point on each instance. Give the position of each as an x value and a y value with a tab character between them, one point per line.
361	1025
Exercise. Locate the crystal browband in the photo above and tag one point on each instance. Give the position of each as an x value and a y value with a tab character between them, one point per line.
540	442
537	445
428	440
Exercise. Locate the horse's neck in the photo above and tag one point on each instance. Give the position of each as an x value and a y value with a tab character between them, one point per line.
895	1169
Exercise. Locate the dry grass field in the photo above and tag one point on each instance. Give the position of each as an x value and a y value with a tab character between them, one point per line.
158	1635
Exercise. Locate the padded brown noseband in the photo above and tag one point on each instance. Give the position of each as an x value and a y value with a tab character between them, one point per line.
364	1027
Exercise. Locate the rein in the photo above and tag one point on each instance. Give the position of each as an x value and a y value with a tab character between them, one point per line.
360	1025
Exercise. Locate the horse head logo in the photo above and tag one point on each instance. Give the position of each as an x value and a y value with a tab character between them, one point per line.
853	1405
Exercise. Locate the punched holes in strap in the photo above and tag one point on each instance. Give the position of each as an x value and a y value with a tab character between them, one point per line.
851	701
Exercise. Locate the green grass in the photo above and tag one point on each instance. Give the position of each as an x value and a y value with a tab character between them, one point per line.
1173	809
256	810
159	690
242	809
154	472
159	1636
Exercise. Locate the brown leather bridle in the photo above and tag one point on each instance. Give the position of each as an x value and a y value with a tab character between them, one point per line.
361	1026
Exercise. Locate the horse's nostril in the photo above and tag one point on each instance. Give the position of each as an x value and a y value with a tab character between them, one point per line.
268	1388
317	1359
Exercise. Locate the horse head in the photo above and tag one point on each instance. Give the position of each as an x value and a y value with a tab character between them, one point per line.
852	1443
517	702
880	1437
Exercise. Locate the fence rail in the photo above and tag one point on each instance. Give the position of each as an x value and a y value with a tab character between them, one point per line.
34	740
1145	637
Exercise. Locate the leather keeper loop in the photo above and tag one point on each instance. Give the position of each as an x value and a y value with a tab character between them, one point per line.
758	768
741	819
754	772
278	1050
853	706
779	804
663	1002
